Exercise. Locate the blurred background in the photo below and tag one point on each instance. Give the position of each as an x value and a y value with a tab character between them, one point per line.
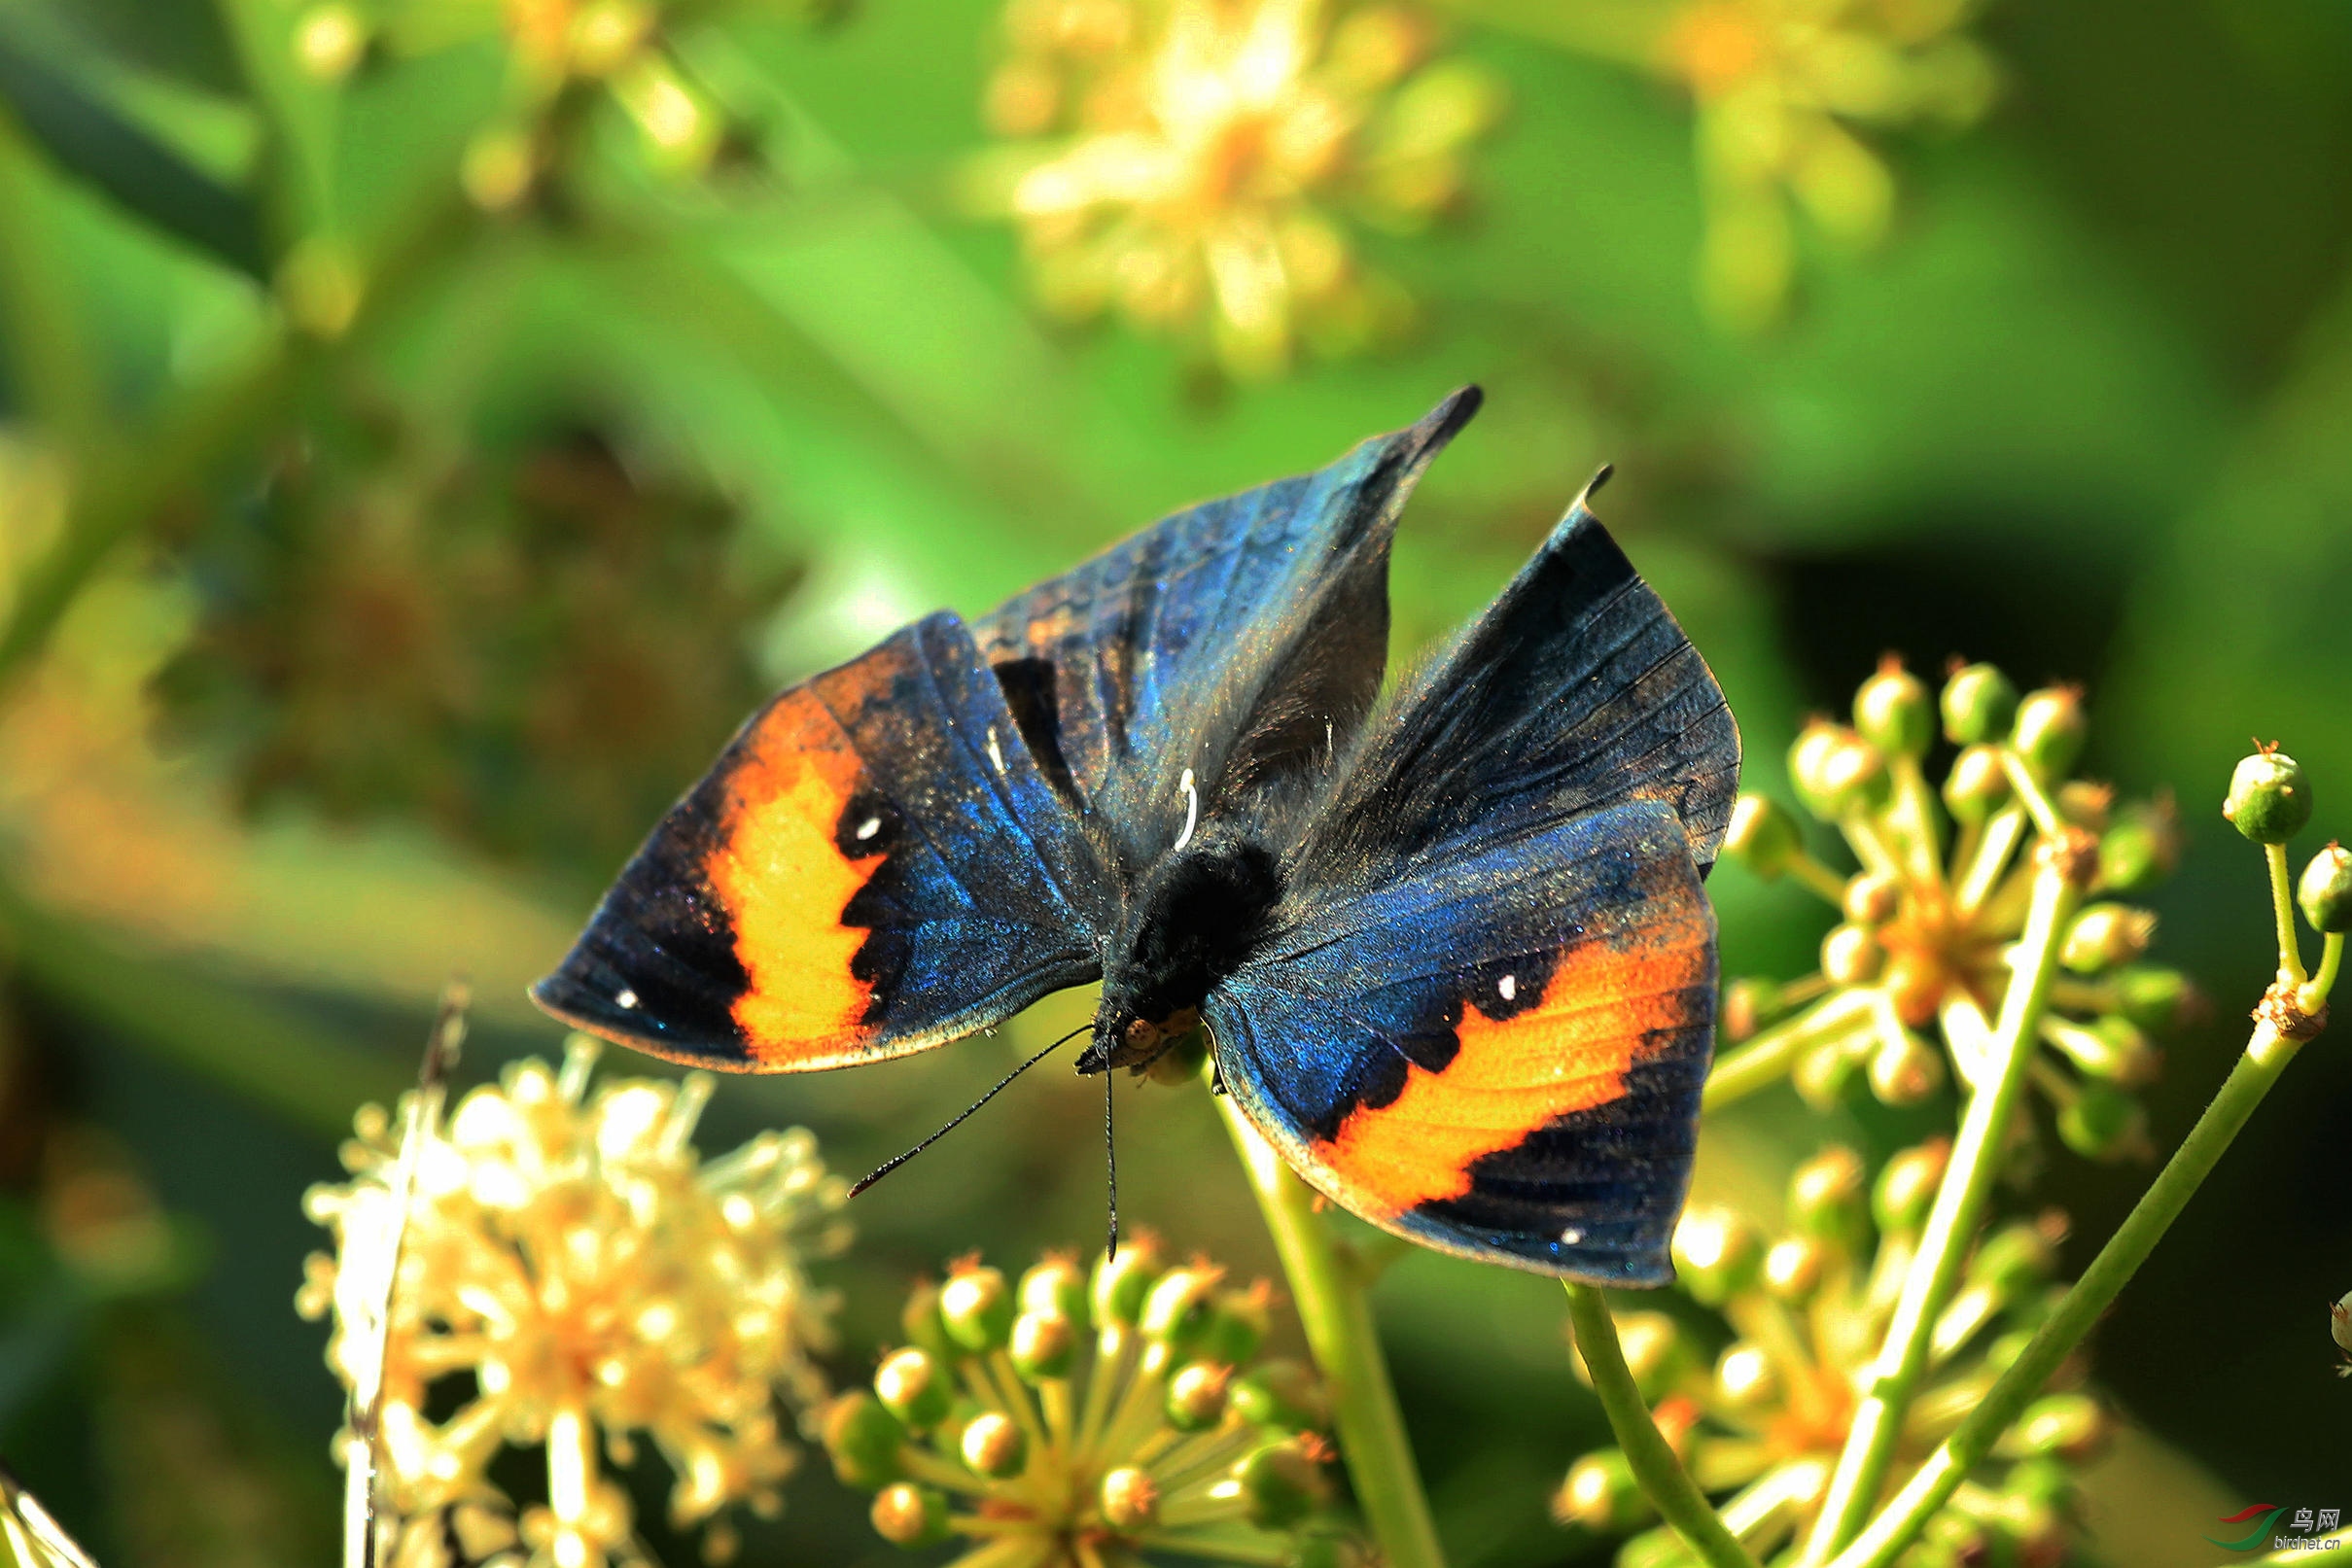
428	426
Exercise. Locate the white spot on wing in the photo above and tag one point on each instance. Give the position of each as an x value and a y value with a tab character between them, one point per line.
1192	808
868	828
1508	985
626	998
995	755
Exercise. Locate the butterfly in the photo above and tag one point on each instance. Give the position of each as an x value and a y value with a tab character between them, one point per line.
1449	948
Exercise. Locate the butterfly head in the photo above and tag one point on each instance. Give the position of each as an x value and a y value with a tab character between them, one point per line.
1193	920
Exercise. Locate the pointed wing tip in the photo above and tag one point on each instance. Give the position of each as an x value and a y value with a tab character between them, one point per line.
1455	411
1591	487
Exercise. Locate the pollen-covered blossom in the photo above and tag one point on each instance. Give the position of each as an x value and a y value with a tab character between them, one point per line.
1761	1427
1092	1419
1939	898
1781	87
570	1255
1195	165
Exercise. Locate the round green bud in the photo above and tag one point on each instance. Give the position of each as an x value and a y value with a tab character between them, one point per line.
1904	1069
1281	1485
1656	1353
1745	1377
2071	1427
1847	775
863	1438
2050	730
1873	898
2340	1322
1808	756
1130	1499
977	1305
2324	892
1279	1394
1825	1074
1980	705
919	1318
1851	954
2104	936
1893	712
1122	1283
2013	1260
1793	1268
992	1446
1828	1198
1763	836
2161	1002
915	1386
2104	1123
1717	1254
1180	1306
1907	1185
1197	1395
1055	1286
1977	786
2086	805
2049	1482
909	1516
2141	848
2111	1049
2270	800
1042	1347
1746	1003
1602	1494
1237	1326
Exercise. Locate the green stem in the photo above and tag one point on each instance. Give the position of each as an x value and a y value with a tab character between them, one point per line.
1819	877
1952	1223
1336	1312
2282	909
2314	995
1662	1479
1765	1059
1899	1524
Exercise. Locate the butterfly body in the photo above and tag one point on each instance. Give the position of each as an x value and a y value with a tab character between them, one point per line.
1450	947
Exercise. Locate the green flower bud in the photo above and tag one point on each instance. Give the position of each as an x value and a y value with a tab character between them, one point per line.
2141	848
2013	1260
1763	836
1745	1377
1851	954
1043	1344
1979	704
2104	1123
2086	805
915	1386
1977	786
1602	1494
1657	1354
2324	892
1057	1287
1236	1327
920	1319
1122	1283
1793	1268
1180	1306
1824	1075
2270	800
992	1446
1130	1499
1717	1254
1838	773
1904	1069
1279	1394
2071	1427
1827	1199
2340	1322
2112	1049
1873	899
1281	1485
2161	1002
1906	1188
2104	936
2050	730
1746	1003
977	1308
1893	712
1197	1395
2049	1482
862	1439
909	1516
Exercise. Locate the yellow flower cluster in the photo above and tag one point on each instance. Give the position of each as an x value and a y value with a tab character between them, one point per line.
1780	86
570	1254
1193	165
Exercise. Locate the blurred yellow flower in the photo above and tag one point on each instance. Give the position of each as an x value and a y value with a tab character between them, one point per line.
1781	85
570	1254
1193	165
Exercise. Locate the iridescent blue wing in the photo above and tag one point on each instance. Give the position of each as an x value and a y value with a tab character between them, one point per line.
1240	641
874	865
1487	1006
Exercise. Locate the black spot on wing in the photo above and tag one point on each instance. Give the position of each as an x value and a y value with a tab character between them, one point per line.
1037	709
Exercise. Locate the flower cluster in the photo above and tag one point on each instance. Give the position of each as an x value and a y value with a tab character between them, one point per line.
567	1254
1079	1417
1939	896
1193	165
1806	1311
1780	86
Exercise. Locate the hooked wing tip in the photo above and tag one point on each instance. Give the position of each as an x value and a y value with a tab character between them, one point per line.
1591	487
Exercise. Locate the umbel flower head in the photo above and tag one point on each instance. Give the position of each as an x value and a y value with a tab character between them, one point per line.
1085	1418
1781	89
1808	1311
1194	164
1938	896
570	1255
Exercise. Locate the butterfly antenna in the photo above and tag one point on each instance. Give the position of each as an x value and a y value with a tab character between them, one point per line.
891	1165
1110	1158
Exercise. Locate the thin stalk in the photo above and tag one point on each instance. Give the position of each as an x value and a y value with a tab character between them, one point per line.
1926	820
1952	1223
1818	877
2282	909
1337	1315
1899	1524
1663	1482
2314	995
1765	1059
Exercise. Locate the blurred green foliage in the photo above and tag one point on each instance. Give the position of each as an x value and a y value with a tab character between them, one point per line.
425	429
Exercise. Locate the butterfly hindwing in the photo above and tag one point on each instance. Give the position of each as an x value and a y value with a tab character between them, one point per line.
875	865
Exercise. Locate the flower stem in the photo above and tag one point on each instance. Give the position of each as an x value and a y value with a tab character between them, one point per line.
1765	1059
1662	1479
1952	1223
1337	1315
2313	995
2282	908
1899	1524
